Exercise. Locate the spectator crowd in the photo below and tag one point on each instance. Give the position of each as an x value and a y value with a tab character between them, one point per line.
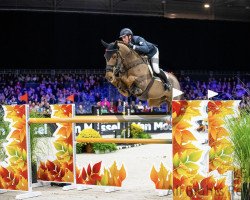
94	91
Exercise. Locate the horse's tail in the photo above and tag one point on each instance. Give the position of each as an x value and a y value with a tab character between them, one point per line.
175	84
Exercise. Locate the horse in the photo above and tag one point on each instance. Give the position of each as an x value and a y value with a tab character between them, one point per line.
132	74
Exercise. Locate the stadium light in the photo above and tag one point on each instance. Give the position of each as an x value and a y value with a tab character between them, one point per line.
206	5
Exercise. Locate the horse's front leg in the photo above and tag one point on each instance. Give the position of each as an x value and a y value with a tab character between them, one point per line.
133	85
123	89
128	80
110	77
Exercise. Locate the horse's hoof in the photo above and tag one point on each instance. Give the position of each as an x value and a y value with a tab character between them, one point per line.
138	91
110	79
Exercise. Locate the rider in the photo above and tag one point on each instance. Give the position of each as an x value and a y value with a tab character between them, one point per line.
142	46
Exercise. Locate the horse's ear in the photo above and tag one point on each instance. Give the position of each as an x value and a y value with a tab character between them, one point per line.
116	45
105	44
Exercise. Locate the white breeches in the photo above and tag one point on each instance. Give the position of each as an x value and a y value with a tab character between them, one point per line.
155	62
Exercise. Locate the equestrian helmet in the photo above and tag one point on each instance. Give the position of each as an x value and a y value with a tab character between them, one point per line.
125	31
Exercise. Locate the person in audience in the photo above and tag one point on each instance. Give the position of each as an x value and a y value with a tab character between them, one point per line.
80	110
104	108
120	108
13	100
61	99
105	102
47	108
112	108
140	107
133	107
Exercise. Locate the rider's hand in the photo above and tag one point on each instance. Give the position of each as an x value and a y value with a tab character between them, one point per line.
131	45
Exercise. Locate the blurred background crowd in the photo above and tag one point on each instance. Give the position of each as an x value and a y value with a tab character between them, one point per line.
93	90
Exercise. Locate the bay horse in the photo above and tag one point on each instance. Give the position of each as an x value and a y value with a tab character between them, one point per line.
132	74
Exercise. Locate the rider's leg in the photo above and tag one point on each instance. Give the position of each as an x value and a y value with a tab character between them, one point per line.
164	77
159	72
155	62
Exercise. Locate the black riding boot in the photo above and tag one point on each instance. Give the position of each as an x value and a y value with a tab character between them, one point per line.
164	79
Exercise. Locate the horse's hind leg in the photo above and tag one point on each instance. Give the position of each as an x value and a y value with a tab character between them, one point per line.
169	105
156	102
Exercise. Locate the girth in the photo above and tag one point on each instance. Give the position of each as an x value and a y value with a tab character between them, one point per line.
144	94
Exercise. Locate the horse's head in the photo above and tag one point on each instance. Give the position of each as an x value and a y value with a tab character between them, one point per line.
115	54
113	60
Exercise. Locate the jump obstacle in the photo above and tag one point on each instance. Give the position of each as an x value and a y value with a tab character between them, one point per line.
108	119
194	156
89	119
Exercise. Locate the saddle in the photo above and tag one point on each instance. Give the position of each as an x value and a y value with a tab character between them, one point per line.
134	88
151	69
159	76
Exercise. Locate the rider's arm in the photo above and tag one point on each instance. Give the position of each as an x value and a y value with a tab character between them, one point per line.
140	45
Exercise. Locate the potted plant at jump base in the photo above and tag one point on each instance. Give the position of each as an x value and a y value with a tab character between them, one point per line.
104	147
87	133
239	131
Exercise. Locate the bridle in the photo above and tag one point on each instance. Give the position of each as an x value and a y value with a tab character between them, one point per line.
118	67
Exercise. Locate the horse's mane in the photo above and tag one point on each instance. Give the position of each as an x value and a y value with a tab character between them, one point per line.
131	49
121	42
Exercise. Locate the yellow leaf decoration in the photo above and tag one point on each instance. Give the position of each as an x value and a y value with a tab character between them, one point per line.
92	175
186	153
193	109
179	148
184	157
55	171
14	176
154	175
162	179
61	169
15	113
113	176
221	148
184	110
105	178
22	184
201	188
195	156
122	173
62	111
